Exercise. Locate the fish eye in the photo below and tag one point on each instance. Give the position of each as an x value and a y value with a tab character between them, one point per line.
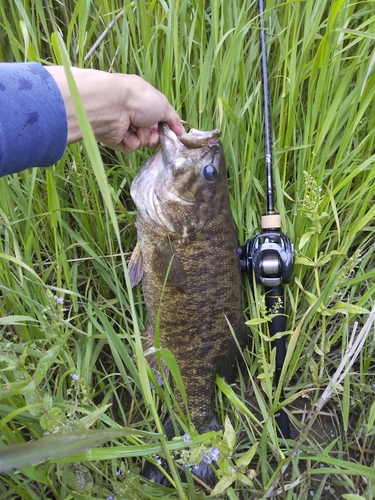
210	172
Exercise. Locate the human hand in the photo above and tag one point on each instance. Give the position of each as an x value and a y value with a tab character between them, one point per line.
143	108
123	110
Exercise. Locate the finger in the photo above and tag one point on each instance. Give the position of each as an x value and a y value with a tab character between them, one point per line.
174	121
154	139
144	135
138	138
129	143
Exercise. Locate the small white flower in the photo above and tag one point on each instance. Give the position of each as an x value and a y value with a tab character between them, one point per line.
186	438
206	458
215	453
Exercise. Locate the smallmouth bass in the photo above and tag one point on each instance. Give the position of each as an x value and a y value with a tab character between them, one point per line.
187	259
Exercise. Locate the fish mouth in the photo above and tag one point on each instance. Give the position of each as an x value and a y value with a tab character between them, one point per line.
170	143
155	190
173	147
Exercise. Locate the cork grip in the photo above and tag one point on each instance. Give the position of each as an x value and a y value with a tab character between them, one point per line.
272	221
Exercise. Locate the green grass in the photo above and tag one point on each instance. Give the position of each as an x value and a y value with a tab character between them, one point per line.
64	234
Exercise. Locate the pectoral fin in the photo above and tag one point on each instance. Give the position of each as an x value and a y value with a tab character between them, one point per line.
135	266
167	265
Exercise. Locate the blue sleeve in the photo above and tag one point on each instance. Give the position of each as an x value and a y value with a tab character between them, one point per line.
33	122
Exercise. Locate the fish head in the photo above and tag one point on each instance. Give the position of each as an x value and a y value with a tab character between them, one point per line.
181	188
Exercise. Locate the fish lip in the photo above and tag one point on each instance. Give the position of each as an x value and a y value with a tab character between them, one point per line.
170	143
194	139
166	132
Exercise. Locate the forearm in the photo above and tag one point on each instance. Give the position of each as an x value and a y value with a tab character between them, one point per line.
95	89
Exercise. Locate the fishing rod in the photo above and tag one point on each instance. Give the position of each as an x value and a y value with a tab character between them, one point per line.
270	254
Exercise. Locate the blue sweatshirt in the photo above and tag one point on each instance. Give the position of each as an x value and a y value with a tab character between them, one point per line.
33	122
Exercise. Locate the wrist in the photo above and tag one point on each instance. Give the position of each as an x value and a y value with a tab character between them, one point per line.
99	92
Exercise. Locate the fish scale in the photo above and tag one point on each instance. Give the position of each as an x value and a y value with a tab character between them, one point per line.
188	262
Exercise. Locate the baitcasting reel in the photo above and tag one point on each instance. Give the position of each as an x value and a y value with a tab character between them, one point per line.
270	257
